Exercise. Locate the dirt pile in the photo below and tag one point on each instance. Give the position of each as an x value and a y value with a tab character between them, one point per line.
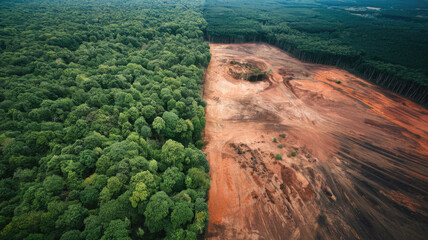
353	156
246	71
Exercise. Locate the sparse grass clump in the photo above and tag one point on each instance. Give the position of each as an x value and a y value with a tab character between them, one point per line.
293	154
275	140
280	145
282	135
278	157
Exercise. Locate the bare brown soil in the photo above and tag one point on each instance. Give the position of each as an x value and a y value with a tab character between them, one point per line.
361	164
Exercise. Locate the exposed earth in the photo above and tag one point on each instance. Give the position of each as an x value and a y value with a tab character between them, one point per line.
360	169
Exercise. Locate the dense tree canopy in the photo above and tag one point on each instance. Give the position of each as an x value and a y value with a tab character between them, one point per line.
101	118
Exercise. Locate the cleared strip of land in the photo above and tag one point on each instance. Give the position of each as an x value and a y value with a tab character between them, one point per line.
354	156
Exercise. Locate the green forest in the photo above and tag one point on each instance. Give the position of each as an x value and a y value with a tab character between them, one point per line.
101	118
382	41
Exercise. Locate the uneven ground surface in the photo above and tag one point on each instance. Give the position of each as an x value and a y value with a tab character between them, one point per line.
361	164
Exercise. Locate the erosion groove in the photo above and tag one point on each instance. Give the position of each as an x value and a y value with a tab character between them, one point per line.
311	152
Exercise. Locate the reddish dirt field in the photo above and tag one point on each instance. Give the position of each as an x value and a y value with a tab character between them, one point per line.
361	164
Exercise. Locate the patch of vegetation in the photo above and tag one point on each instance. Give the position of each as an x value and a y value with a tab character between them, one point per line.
280	146
338	82
282	135
293	154
275	140
278	157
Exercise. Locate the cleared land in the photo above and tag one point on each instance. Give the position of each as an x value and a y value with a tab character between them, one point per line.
360	168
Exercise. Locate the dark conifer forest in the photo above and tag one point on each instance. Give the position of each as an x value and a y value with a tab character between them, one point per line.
383	41
101	118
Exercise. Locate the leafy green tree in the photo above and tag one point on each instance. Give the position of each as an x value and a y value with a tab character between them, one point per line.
201	205
103	164
181	214
117	230
181	234
71	235
93	228
157	211
133	114
159	125
88	158
147	178
171	120
105	195
138	164
93	140
153	166
73	217
149	113
21	226
139	194
89	197
121	150
99	181
146	132
181	128
196	158
48	219
172	155
53	184
142	128
119	208
197	178
76	131
172	180
201	222
181	108
165	94
171	104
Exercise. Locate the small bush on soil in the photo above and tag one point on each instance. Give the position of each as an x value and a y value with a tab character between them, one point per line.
338	82
280	145
278	157
275	140
293	154
282	135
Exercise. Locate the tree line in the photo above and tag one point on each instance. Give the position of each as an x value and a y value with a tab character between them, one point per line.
378	49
